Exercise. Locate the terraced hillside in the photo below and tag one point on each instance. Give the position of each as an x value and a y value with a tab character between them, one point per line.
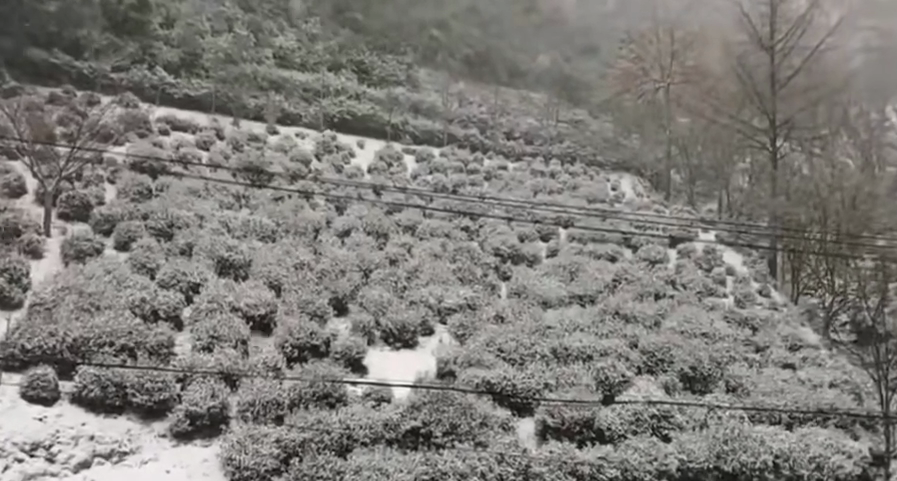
150	266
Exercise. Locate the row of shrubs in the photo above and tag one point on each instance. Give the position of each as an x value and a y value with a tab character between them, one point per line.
728	451
196	402
363	113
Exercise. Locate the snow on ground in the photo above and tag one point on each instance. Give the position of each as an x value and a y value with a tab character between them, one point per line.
406	365
736	261
65	442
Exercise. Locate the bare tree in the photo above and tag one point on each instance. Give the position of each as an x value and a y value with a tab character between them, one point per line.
450	99
394	106
654	62
55	144
840	196
869	337
273	108
778	69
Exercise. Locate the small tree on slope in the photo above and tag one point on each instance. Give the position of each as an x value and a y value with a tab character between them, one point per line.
37	132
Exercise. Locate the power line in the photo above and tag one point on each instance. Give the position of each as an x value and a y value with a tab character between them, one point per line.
522	454
466	390
549	207
507	218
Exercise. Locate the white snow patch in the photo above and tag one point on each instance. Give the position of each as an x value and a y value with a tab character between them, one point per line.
736	261
65	442
406	365
630	186
526	433
673	255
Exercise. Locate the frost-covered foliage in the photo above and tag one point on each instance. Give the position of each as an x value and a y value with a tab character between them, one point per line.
282	294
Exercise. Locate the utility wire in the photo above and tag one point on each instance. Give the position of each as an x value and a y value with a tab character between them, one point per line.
467	390
524	453
509	218
545	207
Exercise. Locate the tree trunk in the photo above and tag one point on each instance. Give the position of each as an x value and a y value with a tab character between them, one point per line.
888	430
773	260
728	193
389	127
668	150
719	204
48	213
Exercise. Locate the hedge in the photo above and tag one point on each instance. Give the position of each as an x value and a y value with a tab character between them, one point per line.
362	116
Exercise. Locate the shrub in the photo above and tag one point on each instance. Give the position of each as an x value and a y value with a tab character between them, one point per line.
81	247
230	258
31	245
16	271
12	185
127	100
11	297
136	188
653	255
349	352
699	371
40	385
400	329
134	120
257	306
144	158
463	327
612	378
155	305
100	390
261	401
204	410
254	453
220	331
152	394
313	391
301	340
436	420
178	124
126	233
147	257
104	219
15	223
80	316
205	140
164	224
186	277
743	293
377	396
582	425
511	389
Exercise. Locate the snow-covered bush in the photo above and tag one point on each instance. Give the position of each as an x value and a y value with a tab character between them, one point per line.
81	247
204	410
40	385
